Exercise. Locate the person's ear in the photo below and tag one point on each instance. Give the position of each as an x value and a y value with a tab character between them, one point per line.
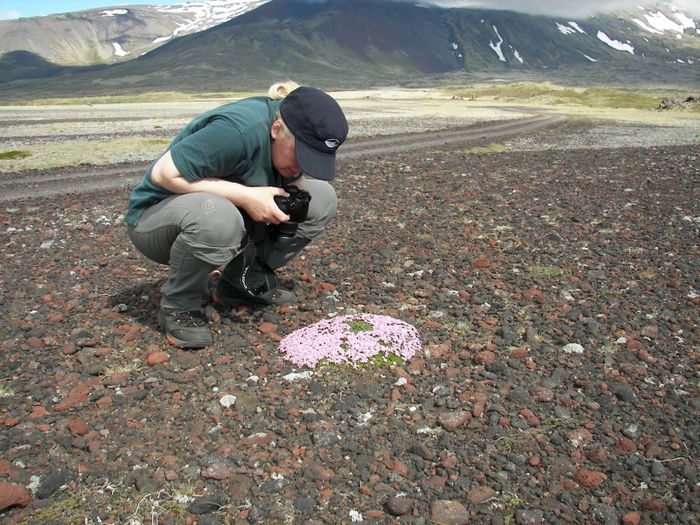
276	129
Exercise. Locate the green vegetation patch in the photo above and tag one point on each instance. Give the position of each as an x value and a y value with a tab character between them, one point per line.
595	97
358	325
384	359
14	154
380	360
613	98
549	272
111	502
6	390
75	152
168	96
459	327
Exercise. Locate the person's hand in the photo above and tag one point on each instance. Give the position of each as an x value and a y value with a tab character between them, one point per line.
259	203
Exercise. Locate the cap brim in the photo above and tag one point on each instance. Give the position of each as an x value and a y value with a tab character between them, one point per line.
314	163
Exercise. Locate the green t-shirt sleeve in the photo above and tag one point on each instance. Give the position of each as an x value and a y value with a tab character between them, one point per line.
215	150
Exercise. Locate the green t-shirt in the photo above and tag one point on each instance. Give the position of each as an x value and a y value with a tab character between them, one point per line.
230	142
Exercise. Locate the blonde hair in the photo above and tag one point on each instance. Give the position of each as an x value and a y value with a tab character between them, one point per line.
279	90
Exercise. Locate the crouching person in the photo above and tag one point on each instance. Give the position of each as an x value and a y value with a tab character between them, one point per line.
225	194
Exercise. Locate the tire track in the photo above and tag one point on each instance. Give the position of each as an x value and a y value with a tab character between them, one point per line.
63	181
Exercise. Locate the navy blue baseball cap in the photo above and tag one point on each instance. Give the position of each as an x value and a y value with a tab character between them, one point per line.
319	127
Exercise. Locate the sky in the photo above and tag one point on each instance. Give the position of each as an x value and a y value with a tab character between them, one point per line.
10	9
16	8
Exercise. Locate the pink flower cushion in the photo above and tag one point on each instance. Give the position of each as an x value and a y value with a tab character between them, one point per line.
351	339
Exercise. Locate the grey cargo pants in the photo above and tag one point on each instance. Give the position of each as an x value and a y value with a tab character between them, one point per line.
194	233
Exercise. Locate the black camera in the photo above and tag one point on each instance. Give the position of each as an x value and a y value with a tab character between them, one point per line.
296	206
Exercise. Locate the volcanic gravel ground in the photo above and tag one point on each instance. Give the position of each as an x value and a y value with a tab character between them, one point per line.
557	296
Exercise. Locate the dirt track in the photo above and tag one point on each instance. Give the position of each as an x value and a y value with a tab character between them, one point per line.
85	179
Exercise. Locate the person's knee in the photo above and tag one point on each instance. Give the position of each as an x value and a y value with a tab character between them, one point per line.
322	208
222	228
330	203
215	231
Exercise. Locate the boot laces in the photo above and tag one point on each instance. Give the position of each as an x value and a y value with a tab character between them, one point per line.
190	318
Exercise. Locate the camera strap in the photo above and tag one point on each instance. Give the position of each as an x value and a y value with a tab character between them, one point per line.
247	279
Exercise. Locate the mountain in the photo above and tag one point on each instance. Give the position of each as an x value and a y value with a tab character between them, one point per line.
98	36
336	43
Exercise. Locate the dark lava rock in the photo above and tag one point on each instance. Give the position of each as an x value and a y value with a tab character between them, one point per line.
529	517
399	505
52	482
305	505
208	504
623	392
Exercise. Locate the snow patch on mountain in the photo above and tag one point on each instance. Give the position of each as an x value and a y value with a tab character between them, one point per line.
577	28
566	30
570	28
516	54
199	16
644	26
114	12
119	50
615	44
684	19
497	46
657	22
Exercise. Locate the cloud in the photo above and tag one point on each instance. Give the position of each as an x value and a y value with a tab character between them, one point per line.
580	8
558	8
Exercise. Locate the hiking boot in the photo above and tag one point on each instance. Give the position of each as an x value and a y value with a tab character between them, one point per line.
185	329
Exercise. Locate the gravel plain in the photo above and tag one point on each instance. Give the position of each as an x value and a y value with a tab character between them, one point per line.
554	282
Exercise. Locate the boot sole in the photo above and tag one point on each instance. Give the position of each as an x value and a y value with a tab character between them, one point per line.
187	345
